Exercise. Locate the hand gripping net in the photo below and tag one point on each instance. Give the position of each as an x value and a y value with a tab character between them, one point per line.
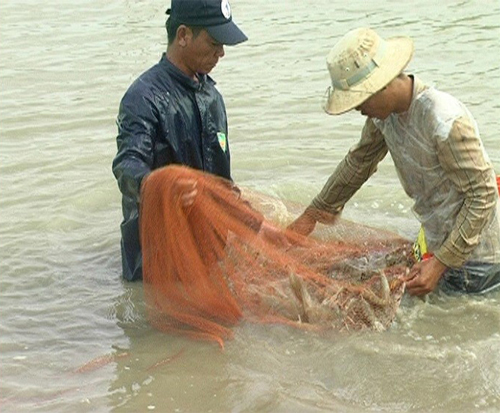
207	267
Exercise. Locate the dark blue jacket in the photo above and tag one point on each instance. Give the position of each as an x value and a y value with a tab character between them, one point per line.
165	117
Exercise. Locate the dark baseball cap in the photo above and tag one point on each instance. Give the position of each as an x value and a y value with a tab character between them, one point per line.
213	15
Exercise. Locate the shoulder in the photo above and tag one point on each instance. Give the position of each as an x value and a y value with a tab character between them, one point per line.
438	110
431	101
149	84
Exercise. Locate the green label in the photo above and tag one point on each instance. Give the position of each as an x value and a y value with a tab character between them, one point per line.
221	136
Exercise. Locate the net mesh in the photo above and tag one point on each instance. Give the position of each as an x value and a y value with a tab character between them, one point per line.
206	267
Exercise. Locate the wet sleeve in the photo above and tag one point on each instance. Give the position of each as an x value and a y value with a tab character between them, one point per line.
137	125
466	164
357	166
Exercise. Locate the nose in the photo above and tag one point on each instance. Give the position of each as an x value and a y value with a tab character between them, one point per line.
220	51
361	106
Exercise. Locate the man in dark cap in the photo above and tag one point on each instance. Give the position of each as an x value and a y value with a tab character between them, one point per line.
173	114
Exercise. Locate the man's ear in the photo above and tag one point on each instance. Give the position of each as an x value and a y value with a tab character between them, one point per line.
184	33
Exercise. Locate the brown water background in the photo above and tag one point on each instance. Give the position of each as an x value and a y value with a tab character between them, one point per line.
64	66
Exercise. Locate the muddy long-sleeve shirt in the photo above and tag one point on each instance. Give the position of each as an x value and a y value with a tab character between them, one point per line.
442	166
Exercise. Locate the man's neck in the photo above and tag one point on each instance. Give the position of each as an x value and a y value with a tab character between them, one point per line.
178	62
405	94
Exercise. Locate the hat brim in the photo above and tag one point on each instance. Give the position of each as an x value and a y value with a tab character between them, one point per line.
398	54
227	33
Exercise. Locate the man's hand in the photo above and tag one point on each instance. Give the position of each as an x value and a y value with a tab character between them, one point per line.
424	276
186	190
303	225
306	222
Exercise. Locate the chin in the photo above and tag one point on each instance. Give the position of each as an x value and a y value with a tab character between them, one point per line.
205	71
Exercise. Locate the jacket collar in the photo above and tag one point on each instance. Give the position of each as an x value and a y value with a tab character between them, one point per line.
180	76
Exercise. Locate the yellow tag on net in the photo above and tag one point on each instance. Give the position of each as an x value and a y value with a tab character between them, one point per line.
420	246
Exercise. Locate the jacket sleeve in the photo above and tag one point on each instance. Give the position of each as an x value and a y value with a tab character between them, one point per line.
137	127
357	166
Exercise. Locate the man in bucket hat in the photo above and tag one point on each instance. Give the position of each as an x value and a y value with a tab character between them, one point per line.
438	154
174	114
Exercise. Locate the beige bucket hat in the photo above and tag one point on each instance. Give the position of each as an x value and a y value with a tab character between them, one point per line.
361	64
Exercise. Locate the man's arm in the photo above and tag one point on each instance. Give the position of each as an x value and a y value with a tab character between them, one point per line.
357	166
467	166
137	125
462	157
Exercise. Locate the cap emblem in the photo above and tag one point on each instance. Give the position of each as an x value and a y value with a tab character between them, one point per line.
226	9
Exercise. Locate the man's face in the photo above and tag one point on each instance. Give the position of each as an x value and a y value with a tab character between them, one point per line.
203	53
377	106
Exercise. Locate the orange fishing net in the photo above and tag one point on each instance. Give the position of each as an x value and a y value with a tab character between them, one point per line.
208	266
